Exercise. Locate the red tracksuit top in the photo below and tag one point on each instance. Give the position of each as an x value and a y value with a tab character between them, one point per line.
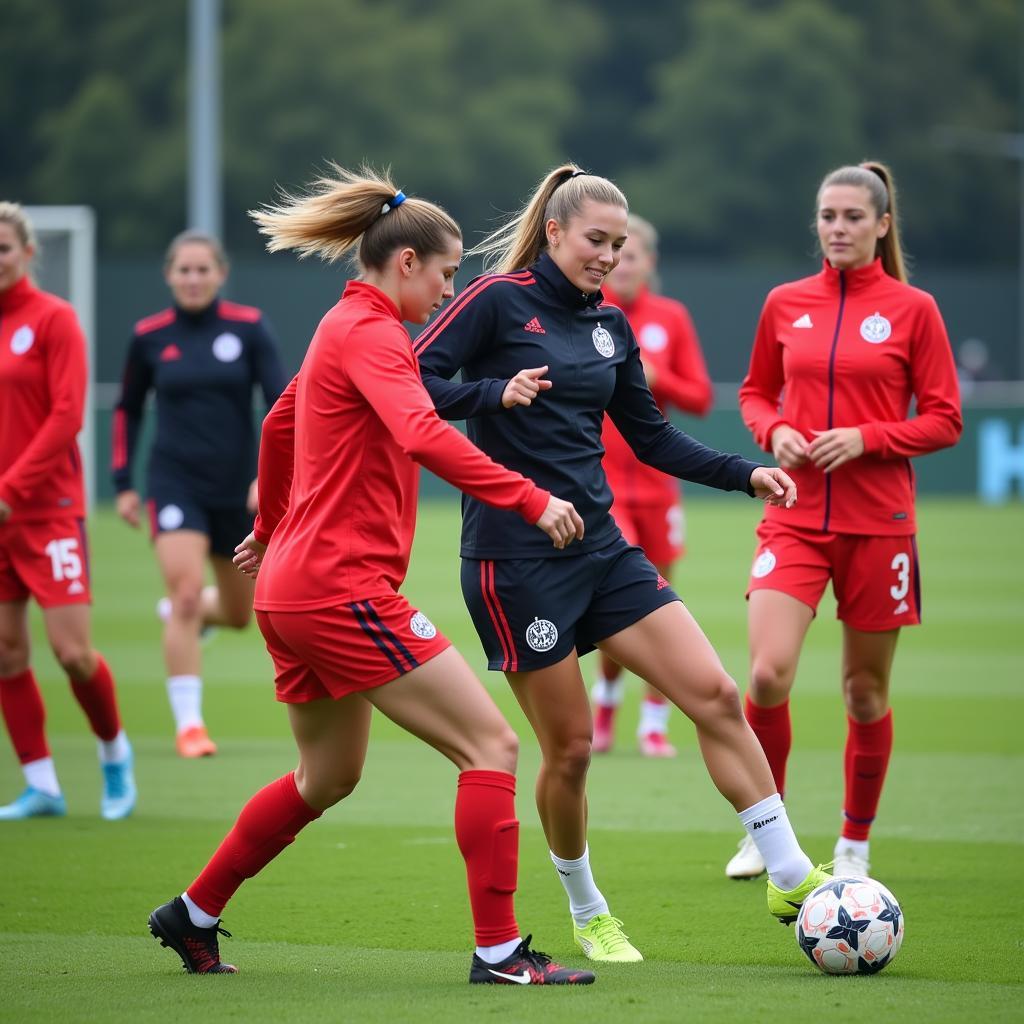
337	476
850	349
42	397
668	342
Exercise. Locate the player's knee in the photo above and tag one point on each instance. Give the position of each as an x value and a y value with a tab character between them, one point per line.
571	759
768	682
76	658
186	599
865	697
13	657
499	750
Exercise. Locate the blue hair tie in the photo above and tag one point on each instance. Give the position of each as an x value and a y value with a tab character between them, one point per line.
394	202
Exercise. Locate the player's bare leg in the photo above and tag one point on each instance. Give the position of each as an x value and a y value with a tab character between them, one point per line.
669	650
229	602
867	669
554	700
182	556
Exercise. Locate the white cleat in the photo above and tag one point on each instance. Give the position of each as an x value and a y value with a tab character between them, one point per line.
747	862
850	864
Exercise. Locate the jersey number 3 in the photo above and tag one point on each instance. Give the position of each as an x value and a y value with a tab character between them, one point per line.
901	563
64	558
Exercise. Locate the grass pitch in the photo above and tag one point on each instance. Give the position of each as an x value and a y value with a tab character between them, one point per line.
365	917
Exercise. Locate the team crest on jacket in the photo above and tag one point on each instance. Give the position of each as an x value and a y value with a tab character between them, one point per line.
763	564
21	340
542	634
875	329
422	626
603	342
227	347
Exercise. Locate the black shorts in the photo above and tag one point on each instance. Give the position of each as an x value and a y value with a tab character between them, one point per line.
173	508
532	612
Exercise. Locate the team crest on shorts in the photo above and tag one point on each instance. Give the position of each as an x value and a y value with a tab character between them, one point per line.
170	517
875	329
603	342
227	347
422	626
541	635
763	564
21	340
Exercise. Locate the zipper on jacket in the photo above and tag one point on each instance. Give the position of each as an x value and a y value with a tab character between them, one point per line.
832	391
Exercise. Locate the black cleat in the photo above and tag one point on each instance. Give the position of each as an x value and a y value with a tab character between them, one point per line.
197	947
526	967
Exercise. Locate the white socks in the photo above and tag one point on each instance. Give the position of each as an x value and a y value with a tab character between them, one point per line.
607	694
585	899
199	917
42	775
495	954
186	696
858	847
768	826
653	717
114	751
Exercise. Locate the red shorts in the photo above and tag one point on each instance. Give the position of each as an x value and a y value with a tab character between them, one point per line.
876	580
660	530
332	652
47	559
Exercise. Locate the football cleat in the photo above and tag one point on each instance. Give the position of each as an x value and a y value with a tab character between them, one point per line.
747	862
34	803
195	742
656	744
118	800
526	966
786	904
602	938
849	864
604	726
197	947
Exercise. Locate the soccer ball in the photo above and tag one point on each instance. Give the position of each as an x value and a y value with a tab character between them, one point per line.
850	926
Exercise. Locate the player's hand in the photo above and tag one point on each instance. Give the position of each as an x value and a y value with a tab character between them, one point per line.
561	522
773	486
5	511
789	447
249	556
128	504
830	449
524	387
252	501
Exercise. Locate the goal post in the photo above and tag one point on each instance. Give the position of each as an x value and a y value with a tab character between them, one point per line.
66	265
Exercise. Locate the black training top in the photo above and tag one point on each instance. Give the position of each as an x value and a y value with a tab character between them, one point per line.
202	367
503	323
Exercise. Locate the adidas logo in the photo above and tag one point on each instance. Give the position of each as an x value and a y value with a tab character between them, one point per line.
170	353
804	321
76	588
662	582
534	327
901	608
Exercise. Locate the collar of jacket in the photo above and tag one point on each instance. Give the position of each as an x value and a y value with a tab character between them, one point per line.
20	292
371	295
546	271
855	280
208	314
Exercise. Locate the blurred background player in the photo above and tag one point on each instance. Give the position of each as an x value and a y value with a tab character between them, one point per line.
648	503
837	360
202	357
537	610
43	546
338	500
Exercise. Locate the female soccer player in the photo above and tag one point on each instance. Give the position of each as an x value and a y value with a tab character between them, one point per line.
43	549
202	357
537	610
647	504
337	508
846	350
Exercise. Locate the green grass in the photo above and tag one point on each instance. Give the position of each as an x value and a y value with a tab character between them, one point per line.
365	918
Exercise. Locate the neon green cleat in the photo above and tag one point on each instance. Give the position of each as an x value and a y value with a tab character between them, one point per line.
785	905
602	938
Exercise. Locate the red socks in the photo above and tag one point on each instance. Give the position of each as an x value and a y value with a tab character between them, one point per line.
98	700
868	749
268	823
774	730
25	716
487	832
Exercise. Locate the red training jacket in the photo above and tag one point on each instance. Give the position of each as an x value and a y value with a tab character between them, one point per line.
337	476
668	343
42	397
850	349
